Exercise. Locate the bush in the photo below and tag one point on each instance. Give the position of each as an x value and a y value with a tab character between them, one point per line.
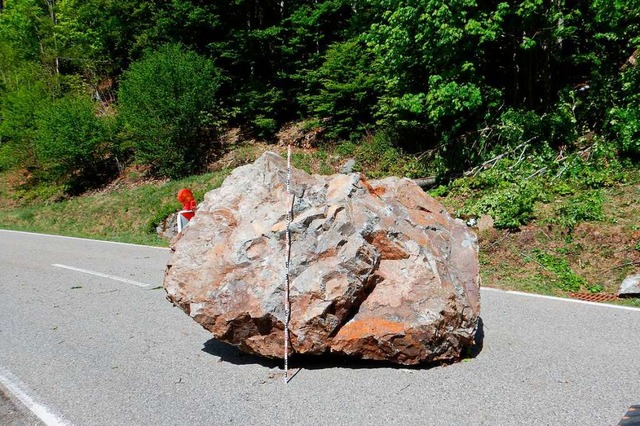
168	104
510	206
597	166
259	108
582	208
626	122
518	126
625	118
378	157
565	278
7	158
18	110
74	147
264	127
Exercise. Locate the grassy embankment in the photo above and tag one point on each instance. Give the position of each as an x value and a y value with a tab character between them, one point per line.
128	213
575	238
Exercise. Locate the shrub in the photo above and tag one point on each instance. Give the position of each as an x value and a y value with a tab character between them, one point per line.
565	278
74	146
581	208
511	206
518	126
168	104
259	106
626	122
596	166
378	156
18	110
625	119
264	127
7	158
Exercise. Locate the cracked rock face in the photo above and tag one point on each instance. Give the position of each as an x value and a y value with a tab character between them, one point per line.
378	269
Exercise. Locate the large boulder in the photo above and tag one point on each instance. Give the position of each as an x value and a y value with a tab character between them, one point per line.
630	286
379	270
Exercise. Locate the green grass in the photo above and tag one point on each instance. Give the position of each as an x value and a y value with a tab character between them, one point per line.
574	238
126	215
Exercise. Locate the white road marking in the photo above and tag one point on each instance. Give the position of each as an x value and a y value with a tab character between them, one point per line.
20	392
539	296
542	296
83	239
100	274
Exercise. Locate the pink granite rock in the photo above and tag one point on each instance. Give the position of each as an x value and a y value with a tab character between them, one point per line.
379	269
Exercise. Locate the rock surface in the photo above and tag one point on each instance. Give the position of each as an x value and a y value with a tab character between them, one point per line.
348	166
378	269
630	286
485	222
168	228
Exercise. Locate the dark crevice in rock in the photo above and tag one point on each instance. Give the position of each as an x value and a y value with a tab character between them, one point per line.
239	329
367	289
264	324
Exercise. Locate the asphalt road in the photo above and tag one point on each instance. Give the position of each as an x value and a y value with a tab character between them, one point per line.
85	349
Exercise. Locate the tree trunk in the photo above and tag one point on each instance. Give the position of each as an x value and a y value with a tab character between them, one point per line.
317	33
52	12
252	69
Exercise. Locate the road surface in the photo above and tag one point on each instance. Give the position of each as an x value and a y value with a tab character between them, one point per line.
87	338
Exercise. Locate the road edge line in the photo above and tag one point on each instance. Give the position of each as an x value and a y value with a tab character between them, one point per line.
83	239
17	389
562	299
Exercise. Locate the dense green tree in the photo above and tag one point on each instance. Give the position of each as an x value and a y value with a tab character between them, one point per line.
24	91
463	79
428	55
343	89
169	106
615	56
26	27
102	37
308	32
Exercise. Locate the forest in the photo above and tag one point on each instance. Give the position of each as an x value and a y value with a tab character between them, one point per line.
90	86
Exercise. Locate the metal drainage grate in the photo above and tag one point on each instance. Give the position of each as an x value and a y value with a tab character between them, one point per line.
594	297
632	418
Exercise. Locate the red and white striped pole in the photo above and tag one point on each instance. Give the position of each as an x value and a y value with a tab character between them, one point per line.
287	305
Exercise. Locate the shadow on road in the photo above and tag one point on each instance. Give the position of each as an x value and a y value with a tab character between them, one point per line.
475	350
231	354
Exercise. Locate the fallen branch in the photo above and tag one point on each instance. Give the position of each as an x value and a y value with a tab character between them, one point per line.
489	164
541	171
425	183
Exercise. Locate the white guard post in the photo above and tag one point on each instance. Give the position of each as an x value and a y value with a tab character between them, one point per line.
183	219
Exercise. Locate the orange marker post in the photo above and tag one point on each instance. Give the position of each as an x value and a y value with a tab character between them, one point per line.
188	201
